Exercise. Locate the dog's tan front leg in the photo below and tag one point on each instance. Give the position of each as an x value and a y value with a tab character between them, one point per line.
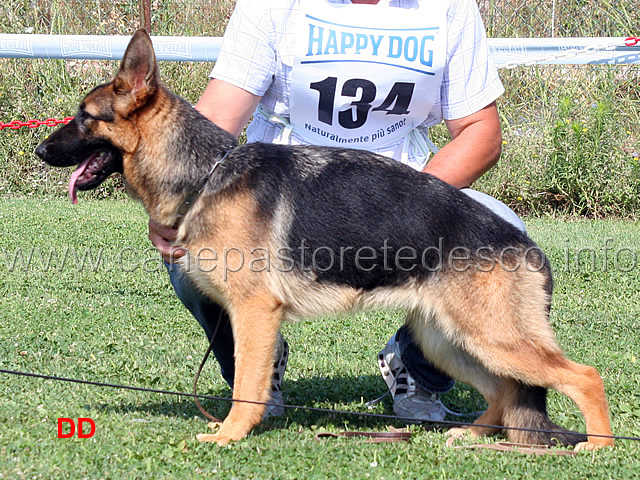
255	328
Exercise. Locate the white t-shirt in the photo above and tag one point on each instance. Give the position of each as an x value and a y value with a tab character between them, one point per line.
257	55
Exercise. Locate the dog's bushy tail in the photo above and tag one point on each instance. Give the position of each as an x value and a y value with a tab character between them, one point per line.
529	411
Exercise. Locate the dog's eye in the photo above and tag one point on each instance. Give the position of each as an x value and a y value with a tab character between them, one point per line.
83	116
80	121
82	113
80	117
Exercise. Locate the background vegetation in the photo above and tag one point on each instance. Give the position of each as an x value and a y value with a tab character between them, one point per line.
571	134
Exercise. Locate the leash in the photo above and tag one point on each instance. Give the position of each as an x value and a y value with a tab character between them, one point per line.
514	447
195	384
302	407
204	360
393	435
194	195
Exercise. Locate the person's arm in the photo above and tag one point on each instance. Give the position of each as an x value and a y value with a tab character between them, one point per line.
475	146
230	108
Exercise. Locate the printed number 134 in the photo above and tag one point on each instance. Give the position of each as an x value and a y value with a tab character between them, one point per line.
396	102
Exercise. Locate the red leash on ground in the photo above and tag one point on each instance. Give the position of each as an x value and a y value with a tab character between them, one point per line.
49	122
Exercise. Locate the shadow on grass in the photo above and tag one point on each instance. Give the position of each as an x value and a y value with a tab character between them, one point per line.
340	394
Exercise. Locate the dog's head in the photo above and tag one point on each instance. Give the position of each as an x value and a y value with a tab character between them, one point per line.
103	134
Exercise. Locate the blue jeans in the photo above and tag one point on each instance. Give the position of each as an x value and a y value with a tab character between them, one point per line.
209	314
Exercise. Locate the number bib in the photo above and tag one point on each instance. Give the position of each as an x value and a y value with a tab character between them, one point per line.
365	75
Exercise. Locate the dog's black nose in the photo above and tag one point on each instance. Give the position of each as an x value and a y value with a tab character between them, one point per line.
41	150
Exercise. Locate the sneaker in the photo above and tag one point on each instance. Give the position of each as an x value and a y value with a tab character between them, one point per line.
276	407
409	400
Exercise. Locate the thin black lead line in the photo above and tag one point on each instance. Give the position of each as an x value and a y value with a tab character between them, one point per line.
298	407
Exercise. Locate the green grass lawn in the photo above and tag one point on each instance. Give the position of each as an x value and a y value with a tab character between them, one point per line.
82	295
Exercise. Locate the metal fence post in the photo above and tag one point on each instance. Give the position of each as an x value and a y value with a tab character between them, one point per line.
145	15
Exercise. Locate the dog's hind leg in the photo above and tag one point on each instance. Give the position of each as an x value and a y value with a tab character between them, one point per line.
255	321
518	407
583	384
500	318
457	363
525	406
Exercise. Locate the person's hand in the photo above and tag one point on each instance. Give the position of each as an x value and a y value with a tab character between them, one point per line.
163	238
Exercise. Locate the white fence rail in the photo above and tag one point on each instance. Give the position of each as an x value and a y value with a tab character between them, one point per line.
507	52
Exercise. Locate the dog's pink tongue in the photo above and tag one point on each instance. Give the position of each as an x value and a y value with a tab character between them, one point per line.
74	178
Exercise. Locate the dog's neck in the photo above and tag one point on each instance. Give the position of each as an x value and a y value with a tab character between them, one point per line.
193	196
183	163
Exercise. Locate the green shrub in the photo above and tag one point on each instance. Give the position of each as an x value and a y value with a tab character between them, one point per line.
572	147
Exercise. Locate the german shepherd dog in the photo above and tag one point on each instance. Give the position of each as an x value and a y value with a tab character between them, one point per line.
310	231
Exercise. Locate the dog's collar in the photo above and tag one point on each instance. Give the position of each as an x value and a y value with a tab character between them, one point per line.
193	196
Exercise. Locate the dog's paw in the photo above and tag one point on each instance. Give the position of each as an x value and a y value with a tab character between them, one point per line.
593	446
213	438
455	434
224	433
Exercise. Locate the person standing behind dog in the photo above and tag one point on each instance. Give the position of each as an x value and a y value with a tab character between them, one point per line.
328	72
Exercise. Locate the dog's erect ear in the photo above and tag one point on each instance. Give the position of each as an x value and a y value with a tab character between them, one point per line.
138	75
